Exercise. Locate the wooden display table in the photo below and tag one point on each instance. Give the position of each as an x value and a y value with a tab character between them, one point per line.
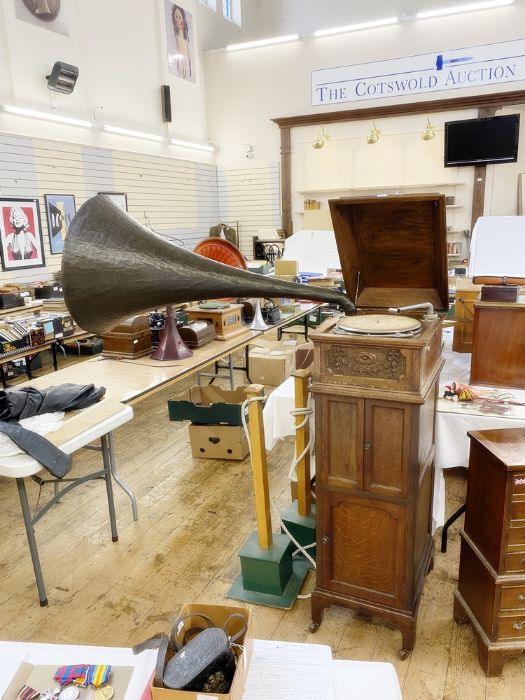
491	586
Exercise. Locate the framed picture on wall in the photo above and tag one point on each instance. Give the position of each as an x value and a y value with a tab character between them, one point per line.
60	210
20	234
120	198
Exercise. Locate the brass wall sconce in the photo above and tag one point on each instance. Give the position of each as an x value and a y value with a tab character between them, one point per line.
373	136
429	132
321	139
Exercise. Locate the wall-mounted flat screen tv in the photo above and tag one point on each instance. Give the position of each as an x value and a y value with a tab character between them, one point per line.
483	140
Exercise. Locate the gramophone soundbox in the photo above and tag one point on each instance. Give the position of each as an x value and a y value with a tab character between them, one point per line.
129	339
375	385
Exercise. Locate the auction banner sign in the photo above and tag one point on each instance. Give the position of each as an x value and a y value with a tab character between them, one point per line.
490	64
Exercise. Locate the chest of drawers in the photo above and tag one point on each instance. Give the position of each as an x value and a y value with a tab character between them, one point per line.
491	586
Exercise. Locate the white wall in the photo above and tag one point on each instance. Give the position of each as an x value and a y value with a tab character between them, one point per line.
246	89
120	49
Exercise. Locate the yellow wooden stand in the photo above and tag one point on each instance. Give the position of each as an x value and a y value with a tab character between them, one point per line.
268	576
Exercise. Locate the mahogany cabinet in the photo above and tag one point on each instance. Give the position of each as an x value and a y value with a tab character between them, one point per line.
498	344
491	585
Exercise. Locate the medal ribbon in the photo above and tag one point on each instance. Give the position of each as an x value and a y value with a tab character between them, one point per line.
69	674
28	693
98	675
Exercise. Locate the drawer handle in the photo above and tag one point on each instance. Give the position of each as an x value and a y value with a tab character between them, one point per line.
518	626
326	539
520	596
368	445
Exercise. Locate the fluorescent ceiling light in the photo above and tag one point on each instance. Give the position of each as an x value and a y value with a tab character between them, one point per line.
357	27
471	7
262	42
130	132
192	144
22	112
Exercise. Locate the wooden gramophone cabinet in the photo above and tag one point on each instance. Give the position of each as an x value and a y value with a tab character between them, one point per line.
375	401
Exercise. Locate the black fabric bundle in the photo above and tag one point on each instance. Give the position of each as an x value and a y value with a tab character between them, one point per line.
28	401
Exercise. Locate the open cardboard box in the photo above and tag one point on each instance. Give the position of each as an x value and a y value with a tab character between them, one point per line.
205	405
216	430
219	614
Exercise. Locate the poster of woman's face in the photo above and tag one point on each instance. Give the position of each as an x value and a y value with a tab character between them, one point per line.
179	36
60	210
20	234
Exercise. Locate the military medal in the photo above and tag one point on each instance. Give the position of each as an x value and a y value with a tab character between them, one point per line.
69	693
104	693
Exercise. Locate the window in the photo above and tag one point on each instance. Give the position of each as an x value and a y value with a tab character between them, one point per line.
231	9
212	4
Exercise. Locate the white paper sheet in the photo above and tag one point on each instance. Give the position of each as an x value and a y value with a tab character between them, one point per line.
289	671
365	680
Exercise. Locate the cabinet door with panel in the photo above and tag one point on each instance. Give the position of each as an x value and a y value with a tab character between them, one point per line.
365	555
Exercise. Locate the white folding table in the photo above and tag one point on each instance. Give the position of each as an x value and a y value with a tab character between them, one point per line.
79	429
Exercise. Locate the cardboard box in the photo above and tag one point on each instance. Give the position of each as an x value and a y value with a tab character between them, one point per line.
206	405
219	614
271	362
218	441
286	267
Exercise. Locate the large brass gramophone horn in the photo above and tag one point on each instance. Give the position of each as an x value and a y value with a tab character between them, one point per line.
113	268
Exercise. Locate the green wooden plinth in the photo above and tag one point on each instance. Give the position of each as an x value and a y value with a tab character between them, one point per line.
300	527
266	570
283	601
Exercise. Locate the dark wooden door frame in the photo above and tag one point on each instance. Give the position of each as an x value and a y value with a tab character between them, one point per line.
486	105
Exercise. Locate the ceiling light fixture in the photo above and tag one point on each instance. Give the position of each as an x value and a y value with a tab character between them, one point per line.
471	7
321	139
192	144
262	42
373	136
357	27
46	116
429	133
132	133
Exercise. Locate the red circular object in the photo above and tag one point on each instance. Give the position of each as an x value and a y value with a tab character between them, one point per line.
221	250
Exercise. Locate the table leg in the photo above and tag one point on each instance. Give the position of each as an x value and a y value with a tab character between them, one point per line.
452	519
29	359
247	363
2	376
32	542
117	478
54	355
106	459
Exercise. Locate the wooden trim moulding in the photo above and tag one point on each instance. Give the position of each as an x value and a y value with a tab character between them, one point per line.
490	102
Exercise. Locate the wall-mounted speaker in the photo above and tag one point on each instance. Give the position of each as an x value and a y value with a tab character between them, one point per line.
62	78
166	102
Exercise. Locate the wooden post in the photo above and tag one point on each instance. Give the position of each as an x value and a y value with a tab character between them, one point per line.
259	467
302	435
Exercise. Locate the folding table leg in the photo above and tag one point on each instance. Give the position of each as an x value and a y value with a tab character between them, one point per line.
106	458
32	541
113	463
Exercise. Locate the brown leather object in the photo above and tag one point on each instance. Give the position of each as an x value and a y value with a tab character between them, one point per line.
304	355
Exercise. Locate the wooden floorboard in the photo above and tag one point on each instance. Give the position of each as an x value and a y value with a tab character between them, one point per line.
194	516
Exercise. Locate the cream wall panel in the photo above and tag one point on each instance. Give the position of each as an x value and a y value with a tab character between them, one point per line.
177	199
249	198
